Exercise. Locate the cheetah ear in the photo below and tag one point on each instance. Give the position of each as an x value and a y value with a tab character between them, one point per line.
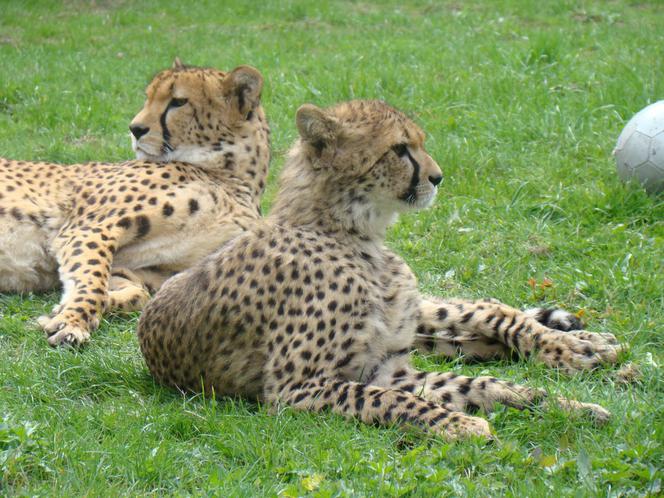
177	64
242	89
316	126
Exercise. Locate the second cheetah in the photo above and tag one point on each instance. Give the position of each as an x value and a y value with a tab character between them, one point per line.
310	309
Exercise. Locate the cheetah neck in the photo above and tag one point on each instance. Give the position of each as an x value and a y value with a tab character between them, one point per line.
307	199
235	182
240	168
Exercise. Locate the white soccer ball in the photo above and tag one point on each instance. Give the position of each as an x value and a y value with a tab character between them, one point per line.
639	151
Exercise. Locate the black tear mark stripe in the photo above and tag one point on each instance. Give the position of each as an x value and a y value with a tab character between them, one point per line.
174	103
410	195
166	134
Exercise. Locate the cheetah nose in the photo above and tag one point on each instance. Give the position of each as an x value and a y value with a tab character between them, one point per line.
138	131
435	180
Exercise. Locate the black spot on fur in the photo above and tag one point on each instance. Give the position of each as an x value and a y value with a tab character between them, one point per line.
143	225
17	214
124	223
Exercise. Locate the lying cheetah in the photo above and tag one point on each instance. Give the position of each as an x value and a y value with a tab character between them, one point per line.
310	308
112	233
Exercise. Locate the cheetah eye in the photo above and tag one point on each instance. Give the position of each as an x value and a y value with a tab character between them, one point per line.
400	149
177	102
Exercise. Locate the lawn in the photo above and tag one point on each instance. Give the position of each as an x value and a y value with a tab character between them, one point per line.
522	102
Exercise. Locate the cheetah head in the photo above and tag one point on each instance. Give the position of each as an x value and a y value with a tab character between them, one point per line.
192	114
372	150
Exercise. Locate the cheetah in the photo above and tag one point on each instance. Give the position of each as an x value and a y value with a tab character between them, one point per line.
310	309
111	234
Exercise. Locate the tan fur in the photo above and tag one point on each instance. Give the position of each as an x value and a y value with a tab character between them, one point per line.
309	308
115	232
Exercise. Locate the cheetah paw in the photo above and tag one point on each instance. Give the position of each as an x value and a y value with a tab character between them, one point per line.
69	336
600	338
61	331
462	426
599	414
574	352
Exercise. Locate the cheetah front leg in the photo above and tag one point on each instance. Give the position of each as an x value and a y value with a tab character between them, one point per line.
377	405
486	329
84	257
462	393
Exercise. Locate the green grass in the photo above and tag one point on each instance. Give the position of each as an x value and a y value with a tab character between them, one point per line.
522	102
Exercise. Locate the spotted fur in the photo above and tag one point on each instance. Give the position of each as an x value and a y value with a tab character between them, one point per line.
112	233
310	309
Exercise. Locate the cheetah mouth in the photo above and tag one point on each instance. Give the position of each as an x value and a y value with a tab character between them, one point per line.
144	155
421	197
425	201
146	152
